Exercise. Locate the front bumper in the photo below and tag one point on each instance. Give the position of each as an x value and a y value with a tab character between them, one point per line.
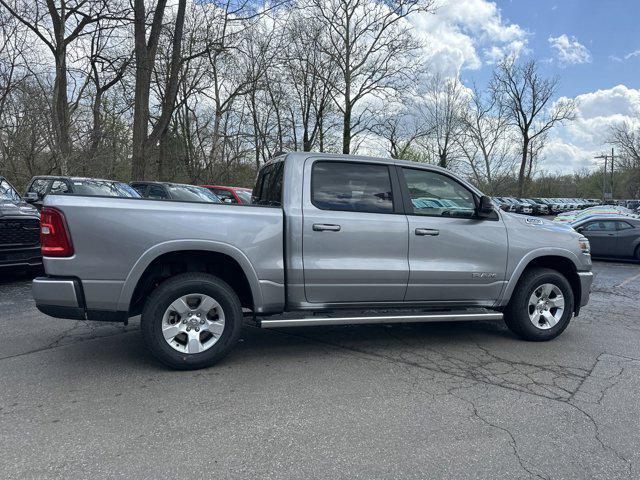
586	279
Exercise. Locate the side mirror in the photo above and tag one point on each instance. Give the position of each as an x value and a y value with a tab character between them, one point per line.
31	197
579	229
485	207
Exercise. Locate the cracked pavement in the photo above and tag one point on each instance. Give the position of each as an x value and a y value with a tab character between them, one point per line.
85	400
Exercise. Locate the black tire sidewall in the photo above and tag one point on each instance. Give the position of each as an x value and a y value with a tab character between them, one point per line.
168	292
518	312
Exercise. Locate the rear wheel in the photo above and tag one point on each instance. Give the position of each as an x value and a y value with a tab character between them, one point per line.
191	321
541	306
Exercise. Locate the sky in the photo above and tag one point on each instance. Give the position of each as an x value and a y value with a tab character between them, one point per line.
592	45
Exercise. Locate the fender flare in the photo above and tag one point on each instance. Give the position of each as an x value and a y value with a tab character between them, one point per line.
157	250
524	263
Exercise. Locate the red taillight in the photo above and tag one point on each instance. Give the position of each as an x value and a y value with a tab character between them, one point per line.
55	240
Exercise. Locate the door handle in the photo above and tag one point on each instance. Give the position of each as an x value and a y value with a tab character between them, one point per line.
322	227
421	232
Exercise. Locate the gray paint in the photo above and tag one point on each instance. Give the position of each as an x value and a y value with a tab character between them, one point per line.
374	260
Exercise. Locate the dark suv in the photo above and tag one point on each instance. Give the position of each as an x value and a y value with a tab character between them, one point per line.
40	187
19	230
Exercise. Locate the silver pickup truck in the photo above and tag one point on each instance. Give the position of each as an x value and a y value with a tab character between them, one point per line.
327	240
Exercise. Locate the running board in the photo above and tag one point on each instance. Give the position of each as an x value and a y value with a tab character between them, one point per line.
449	316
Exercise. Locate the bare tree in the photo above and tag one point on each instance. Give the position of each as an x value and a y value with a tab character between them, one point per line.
626	139
485	141
369	43
145	55
57	24
527	98
443	113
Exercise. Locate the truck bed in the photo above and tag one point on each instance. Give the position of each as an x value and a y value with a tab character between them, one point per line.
114	239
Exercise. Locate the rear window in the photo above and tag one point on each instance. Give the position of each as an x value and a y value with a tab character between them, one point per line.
268	189
191	193
351	187
99	188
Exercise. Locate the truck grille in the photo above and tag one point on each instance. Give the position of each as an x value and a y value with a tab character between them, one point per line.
19	231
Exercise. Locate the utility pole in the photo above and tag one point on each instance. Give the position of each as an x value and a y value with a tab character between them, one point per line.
606	157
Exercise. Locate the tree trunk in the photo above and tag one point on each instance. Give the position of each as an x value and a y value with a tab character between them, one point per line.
61	111
523	166
346	129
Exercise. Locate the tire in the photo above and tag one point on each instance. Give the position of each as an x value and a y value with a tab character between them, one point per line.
518	312
637	253
189	291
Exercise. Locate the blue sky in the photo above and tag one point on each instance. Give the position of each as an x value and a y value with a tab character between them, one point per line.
606	28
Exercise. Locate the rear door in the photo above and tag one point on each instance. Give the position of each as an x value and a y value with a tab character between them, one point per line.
603	237
627	241
354	233
454	257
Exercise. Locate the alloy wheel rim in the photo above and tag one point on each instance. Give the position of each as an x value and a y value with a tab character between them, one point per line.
546	306
193	323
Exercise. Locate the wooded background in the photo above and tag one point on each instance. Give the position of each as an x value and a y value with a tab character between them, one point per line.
206	91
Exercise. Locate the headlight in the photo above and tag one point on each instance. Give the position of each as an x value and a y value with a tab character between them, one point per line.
585	247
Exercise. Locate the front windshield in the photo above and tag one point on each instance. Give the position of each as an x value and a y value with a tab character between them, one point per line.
7	192
102	188
244	195
191	193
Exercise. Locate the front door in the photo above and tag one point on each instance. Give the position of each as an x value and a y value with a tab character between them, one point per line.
602	235
354	234
454	257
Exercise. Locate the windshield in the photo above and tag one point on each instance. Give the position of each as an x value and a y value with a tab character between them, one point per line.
244	195
7	192
103	188
191	193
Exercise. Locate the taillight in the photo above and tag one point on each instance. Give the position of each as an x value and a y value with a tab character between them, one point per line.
55	240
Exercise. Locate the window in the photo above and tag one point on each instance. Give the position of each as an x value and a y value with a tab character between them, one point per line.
157	192
435	194
58	187
190	193
624	226
351	187
603	226
7	191
225	195
268	189
39	186
141	188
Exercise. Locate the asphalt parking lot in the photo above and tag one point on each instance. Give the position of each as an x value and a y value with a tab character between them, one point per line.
85	400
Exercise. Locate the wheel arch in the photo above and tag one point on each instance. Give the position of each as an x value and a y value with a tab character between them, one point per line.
559	260
169	258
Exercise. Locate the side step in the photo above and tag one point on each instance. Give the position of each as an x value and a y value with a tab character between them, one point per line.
387	317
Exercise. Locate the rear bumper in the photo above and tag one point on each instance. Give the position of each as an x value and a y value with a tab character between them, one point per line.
63	297
21	257
586	279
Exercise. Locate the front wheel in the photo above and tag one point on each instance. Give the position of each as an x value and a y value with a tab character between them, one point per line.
541	306
191	321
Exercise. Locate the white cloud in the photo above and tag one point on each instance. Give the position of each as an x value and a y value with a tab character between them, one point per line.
569	50
465	34
573	146
635	53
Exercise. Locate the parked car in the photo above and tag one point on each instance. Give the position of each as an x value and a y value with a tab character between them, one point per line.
235	195
504	204
520	206
538	208
41	186
19	230
175	191
328	240
611	236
